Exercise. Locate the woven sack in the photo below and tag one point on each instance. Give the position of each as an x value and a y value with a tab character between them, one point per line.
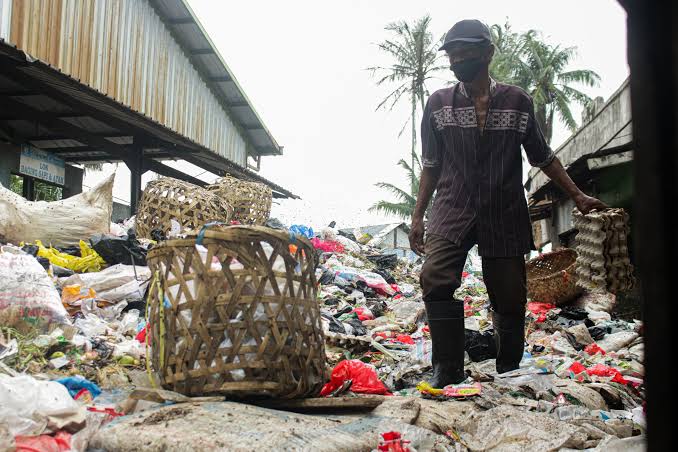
233	311
168	199
251	201
551	277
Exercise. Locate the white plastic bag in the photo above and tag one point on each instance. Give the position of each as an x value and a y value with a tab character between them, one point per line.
28	298
59	223
117	283
27	403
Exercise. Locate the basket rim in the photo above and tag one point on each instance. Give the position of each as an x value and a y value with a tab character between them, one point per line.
548	256
235	233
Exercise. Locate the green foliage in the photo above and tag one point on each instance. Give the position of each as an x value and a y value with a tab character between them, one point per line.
405	202
47	192
541	69
16	184
415	60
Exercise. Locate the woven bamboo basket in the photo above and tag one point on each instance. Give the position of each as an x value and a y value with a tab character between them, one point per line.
551	277
251	201
168	199
239	314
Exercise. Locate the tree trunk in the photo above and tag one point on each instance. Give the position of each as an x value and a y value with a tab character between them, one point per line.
540	116
549	126
414	137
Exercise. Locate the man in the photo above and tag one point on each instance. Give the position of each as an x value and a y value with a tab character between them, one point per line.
471	138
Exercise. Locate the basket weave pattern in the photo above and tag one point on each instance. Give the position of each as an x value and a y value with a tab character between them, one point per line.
251	201
240	315
166	199
552	278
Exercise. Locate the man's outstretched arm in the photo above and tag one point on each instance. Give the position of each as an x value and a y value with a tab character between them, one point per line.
557	174
427	185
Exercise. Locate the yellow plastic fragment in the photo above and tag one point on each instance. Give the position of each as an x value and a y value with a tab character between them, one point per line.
89	262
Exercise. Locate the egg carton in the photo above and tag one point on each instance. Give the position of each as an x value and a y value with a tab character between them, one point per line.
603	262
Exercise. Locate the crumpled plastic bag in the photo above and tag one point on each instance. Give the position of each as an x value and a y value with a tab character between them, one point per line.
363	376
27	403
89	261
117	283
28	298
79	216
119	250
61	442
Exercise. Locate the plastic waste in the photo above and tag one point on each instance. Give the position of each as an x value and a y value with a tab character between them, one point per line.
303	230
393	442
91	325
328	246
73	296
61	442
28	298
27	403
119	250
79	216
539	309
89	260
129	322
77	383
451	391
363	376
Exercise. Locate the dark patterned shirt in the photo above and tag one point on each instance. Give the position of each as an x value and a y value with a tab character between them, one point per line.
481	173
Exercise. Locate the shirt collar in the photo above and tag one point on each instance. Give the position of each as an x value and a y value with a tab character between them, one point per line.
462	88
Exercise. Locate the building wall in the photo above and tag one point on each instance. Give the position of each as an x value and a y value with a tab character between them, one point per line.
122	49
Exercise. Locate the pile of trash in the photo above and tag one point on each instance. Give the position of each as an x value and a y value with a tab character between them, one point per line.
581	366
73	346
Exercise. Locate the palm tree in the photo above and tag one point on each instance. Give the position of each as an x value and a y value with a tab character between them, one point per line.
525	60
551	85
404	206
415	60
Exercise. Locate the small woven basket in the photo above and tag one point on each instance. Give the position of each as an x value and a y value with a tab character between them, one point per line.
233	311
168	199
551	277
251	201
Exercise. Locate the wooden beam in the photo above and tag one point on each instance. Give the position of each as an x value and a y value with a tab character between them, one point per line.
205	51
168	171
64	127
180	21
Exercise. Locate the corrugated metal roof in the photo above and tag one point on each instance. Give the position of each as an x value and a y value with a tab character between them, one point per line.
190	34
72	96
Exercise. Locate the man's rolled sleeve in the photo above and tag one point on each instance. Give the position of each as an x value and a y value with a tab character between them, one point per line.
538	151
430	140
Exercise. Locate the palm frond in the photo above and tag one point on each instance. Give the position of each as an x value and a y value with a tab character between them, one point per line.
401	210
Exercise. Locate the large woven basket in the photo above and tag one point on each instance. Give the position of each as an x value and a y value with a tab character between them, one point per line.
551	277
251	201
168	199
239	315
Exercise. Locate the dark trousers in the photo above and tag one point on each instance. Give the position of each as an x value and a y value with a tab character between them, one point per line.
504	277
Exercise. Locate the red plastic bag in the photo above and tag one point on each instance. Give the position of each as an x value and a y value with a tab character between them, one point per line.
602	370
328	246
577	368
540	309
61	442
592	349
405	339
393	442
141	335
364	314
363	376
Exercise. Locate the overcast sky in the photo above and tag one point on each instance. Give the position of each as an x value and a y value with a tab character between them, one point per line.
302	64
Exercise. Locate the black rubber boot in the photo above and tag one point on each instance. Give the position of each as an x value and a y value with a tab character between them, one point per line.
509	335
446	322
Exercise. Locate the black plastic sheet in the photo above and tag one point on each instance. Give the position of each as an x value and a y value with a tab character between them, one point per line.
119	250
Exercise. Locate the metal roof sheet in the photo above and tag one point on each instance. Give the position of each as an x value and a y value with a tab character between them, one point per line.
190	34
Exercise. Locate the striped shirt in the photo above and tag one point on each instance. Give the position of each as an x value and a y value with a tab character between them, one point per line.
481	173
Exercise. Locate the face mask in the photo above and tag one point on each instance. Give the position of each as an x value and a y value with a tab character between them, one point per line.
466	70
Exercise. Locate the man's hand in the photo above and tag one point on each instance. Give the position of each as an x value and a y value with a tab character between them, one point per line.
586	203
416	236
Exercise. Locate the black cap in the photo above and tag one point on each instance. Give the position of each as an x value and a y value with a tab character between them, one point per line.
470	31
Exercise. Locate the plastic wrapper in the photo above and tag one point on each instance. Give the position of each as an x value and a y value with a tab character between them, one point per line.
91	325
363	376
61	442
28	298
27	403
79	216
89	260
117	283
119	250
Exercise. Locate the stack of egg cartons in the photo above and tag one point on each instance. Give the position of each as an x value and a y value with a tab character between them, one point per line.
603	262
